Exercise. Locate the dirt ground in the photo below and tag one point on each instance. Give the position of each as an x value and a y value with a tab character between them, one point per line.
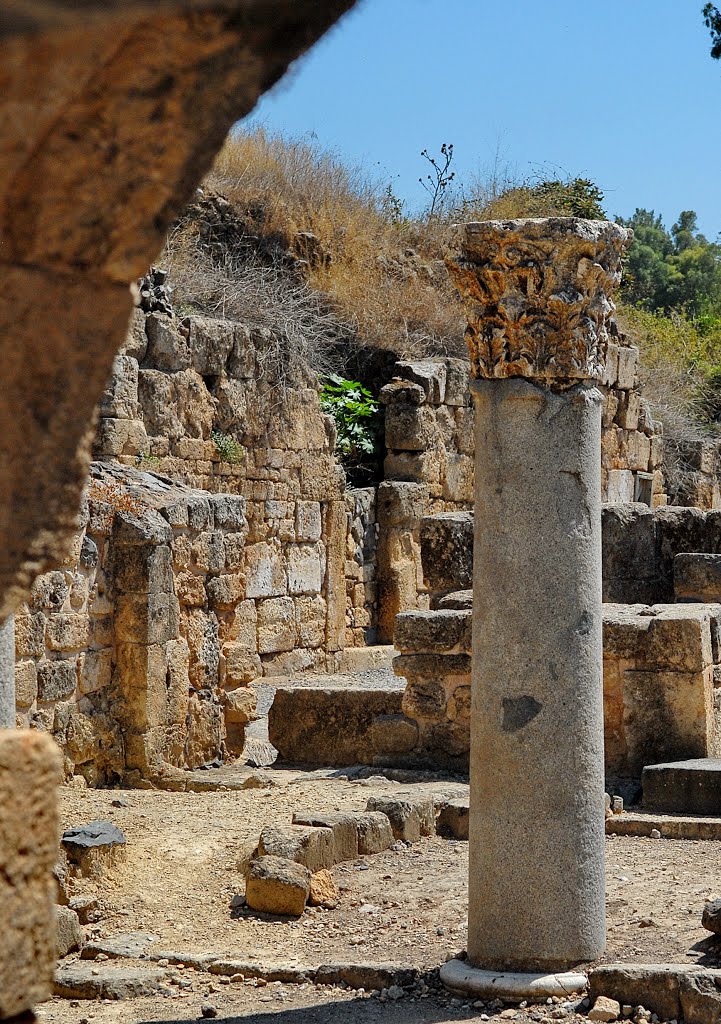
405	906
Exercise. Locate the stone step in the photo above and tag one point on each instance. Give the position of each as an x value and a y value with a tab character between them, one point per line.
669	826
683	787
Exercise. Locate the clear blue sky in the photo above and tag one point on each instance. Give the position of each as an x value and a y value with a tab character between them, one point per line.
621	91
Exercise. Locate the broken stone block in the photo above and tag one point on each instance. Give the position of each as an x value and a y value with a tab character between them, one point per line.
445	631
126	945
323	891
410	427
30	772
430	375
69	934
366	975
700	996
314	848
453	819
711	917
605	1009
654	986
374	832
394	734
447	550
93	848
410	817
343	826
276	885
240	705
697	577
86	981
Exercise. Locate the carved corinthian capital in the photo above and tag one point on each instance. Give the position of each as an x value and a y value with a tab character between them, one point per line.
537	294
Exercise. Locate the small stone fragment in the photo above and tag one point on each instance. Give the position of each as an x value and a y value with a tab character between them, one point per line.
711	917
605	1009
69	933
655	834
208	1010
323	890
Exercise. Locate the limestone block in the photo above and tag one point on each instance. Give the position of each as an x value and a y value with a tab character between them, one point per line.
656	457
425	698
120	398
310	617
458	373
433	632
101	631
410	817
453	819
416	467
276	625
403	392
67	631
323	890
305	568
182	551
208	551
639	451
49	591
176	404
447	550
464	434
146	618
410	427
30	635
609	410
56	679
239	665
226	591
290	663
308	521
620	485
697	577
26	683
430	375
240	705
627	367
167	348
610	373
234	550
136	340
69	934
394	734
190	589
667	716
330	725
401	503
206	730
95	671
629	407
229	511
276	885
343	826
210	343
374	832
630	571
446	742
86	981
93	848
312	847
200	630
321	478
458	478
679	639
30	771
264	573
120	437
241	625
241	363
131	528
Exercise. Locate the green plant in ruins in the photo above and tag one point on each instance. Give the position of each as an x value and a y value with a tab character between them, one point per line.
357	418
227	447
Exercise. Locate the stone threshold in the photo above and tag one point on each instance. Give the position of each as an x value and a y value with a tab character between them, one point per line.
669	826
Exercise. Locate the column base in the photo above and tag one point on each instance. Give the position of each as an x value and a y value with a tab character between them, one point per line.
464	979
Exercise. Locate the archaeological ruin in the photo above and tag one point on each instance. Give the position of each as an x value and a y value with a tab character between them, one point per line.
488	667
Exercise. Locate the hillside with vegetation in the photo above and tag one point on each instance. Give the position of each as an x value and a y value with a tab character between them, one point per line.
285	235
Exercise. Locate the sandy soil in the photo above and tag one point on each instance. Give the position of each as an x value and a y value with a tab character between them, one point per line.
405	906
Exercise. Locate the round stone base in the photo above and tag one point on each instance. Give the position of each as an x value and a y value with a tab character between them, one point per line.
464	979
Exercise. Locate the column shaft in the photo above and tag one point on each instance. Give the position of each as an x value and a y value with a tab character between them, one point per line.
536	873
7	673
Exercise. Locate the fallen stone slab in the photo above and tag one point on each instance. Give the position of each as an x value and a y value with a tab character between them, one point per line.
668	826
289	974
314	848
374	833
366	975
343	826
410	816
329	726
276	885
199	961
683	787
69	933
453	819
130	945
657	987
86	981
93	848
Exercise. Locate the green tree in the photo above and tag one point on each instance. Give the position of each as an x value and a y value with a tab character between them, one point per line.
712	17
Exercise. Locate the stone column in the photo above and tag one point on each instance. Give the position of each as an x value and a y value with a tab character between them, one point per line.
537	294
7	673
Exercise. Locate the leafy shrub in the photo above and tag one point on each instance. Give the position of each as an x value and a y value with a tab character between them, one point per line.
228	448
358	421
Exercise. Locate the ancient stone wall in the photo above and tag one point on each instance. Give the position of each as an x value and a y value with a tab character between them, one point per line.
361	567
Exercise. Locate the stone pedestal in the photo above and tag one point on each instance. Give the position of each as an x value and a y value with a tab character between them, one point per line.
537	294
7	673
